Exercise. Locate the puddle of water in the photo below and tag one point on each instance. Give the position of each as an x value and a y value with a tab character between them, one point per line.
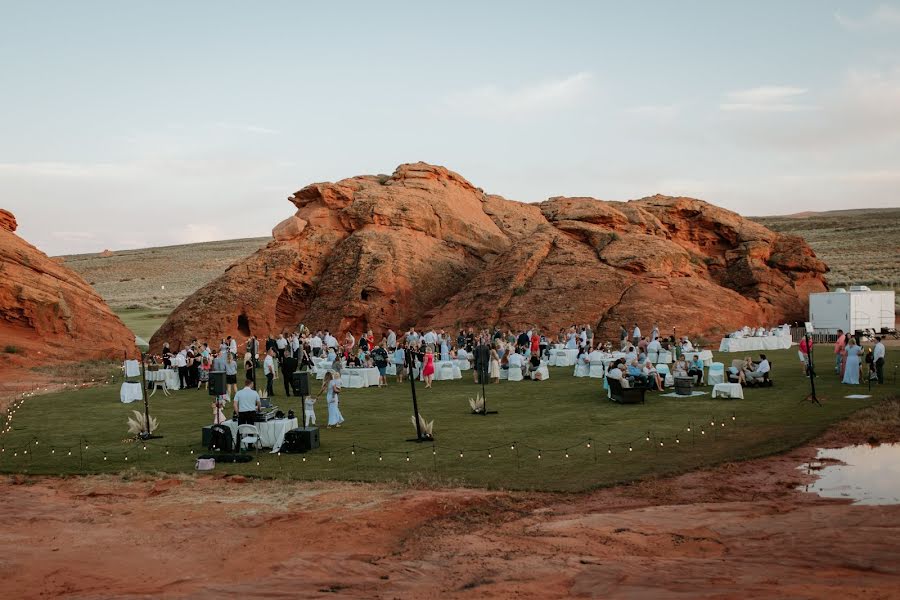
868	475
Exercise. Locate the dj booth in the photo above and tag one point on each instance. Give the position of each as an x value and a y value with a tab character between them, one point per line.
271	433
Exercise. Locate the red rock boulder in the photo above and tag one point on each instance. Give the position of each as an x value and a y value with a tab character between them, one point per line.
424	246
48	312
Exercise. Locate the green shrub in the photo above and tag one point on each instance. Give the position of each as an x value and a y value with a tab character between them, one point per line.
11	350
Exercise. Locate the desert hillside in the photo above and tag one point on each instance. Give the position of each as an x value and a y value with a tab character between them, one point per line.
861	247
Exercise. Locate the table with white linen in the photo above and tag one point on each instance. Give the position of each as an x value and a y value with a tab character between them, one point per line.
563	357
271	433
705	355
750	344
168	377
130	392
728	390
441	374
359	377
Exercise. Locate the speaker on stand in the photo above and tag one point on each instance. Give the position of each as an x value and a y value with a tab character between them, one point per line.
300	384
217	386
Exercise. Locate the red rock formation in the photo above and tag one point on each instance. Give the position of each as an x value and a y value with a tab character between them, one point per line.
48	312
426	247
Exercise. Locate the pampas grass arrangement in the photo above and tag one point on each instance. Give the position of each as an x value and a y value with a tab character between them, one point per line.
425	427
477	404
138	425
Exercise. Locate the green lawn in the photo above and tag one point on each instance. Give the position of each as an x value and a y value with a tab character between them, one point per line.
551	419
142	321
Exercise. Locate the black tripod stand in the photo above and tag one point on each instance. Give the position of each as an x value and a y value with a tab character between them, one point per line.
811	373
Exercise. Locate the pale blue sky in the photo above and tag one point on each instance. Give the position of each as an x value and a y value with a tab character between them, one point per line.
128	124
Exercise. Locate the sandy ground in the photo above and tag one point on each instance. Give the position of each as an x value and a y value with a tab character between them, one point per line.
738	531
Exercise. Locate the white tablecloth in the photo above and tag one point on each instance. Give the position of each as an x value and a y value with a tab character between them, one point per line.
728	390
749	344
170	376
130	392
705	355
563	357
440	374
271	433
365	377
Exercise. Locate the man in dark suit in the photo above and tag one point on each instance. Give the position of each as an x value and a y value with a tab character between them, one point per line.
482	361
288	366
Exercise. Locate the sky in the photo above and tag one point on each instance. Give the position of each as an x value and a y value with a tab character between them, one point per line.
135	124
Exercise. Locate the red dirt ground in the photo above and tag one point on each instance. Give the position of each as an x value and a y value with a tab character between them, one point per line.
737	531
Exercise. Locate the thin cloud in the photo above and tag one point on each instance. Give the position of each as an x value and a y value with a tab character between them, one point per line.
767	98
494	100
661	112
247	128
881	17
68	169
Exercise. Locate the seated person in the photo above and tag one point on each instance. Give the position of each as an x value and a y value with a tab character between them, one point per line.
653	376
696	369
636	374
686	345
534	364
758	375
681	368
654	347
615	372
461	354
331	356
630	355
517	361
595	357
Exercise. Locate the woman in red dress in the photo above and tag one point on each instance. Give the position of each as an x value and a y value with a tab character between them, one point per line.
428	366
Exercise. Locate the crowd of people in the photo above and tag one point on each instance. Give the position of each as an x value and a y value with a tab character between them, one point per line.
850	356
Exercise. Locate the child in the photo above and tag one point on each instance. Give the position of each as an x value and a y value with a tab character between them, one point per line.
309	413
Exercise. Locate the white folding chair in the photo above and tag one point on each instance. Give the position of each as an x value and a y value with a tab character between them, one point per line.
665	356
391	369
582	369
352	379
663	370
249	435
716	374
446	371
463	364
515	373
653	357
596	370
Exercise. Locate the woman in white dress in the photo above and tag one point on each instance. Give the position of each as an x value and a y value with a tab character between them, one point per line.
332	388
851	359
495	365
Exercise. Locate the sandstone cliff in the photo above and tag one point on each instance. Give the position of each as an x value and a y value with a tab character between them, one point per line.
424	246
48	312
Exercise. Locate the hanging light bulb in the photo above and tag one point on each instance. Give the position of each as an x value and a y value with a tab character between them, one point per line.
490	455
539	454
567	455
460	454
630	449
379	458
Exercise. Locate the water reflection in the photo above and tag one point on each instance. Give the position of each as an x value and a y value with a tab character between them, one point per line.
869	475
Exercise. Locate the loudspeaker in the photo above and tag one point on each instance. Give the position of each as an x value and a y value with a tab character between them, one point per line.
300	383
216	383
302	439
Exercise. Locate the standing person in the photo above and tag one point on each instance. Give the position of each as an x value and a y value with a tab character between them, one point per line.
495	365
535	342
332	388
636	335
805	349
623	336
181	363
428	366
309	411
400	363
281	345
878	355
851	362
654	335
839	351
232	346
380	357
391	340
288	366
231	368
349	343
253	349
247	404
269	372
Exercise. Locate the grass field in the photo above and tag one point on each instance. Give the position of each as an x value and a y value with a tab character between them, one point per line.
143	322
72	432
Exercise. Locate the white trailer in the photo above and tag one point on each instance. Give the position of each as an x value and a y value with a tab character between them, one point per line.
856	310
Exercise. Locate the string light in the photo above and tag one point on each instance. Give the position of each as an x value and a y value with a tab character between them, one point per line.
630	449
588	444
126	458
660	443
677	441
490	455
702	432
407	458
513	447
329	457
380	458
304	459
539	455
609	449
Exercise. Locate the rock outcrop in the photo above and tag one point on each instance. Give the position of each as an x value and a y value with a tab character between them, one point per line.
48	312
424	246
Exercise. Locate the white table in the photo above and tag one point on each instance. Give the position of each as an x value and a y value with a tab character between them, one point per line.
168	376
130	392
441	374
750	344
359	377
561	357
728	390
271	433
